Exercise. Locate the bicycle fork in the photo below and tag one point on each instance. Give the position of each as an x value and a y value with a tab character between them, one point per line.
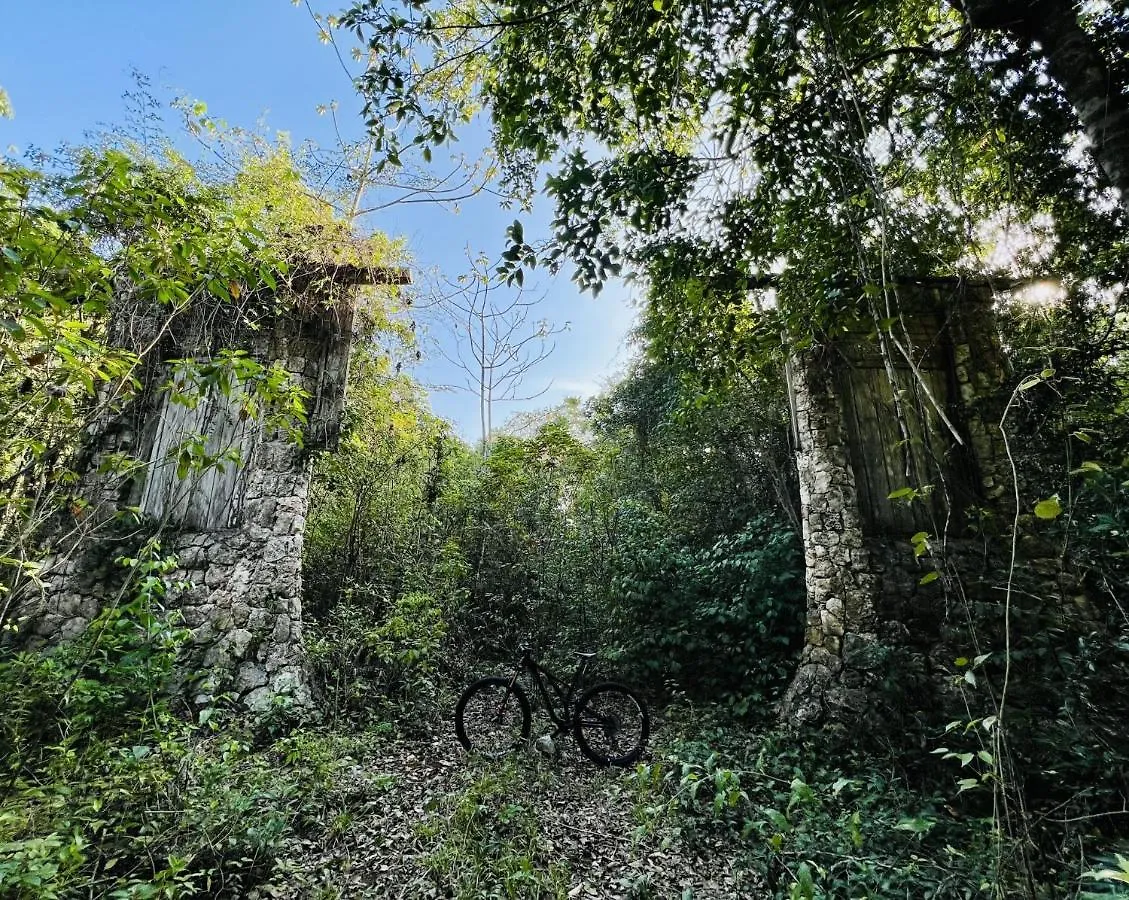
505	697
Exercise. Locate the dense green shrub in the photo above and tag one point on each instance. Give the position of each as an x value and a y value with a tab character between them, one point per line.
108	792
373	658
816	822
105	682
722	620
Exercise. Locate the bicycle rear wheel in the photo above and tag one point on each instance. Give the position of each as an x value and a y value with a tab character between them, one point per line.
493	717
611	724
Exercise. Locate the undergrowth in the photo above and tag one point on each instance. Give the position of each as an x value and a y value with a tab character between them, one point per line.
112	790
819	818
374	660
488	842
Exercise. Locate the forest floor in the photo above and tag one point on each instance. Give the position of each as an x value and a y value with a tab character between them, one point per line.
420	818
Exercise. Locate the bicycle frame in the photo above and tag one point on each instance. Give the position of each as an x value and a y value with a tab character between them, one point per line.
551	688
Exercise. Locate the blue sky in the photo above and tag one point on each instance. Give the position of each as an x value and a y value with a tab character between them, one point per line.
67	63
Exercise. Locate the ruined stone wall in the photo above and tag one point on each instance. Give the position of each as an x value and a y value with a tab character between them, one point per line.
240	557
244	603
242	586
869	424
839	575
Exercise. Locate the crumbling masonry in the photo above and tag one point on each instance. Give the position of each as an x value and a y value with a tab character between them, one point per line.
893	442
236	529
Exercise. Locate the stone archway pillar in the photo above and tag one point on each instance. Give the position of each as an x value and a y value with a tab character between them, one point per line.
889	447
235	527
841	586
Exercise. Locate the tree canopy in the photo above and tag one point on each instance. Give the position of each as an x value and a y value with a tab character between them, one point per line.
827	149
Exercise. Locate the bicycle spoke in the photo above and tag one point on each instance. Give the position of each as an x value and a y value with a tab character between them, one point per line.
613	725
493	720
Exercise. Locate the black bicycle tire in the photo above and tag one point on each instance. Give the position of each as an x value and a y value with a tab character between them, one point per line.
475	687
578	725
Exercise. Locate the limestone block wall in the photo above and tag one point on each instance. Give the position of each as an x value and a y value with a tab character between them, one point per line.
979	372
841	585
242	593
244	604
861	437
237	535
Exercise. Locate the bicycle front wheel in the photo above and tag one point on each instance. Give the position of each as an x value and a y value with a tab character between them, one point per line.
493	717
611	725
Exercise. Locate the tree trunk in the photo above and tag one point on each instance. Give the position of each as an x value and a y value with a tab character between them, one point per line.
1076	63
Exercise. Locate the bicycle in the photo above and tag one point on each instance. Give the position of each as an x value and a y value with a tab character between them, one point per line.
608	719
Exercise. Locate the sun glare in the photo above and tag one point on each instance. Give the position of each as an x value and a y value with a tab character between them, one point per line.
1046	292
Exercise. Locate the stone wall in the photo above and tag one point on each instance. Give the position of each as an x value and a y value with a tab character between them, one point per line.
242	585
840	579
870	423
239	556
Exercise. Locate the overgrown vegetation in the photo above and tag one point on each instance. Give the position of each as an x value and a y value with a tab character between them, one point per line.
658	523
115	786
112	791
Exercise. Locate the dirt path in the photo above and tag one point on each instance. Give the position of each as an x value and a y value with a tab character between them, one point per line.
423	820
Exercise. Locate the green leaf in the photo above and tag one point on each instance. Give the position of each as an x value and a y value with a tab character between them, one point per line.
779	820
930	577
1120	874
14	328
1049	508
917	825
